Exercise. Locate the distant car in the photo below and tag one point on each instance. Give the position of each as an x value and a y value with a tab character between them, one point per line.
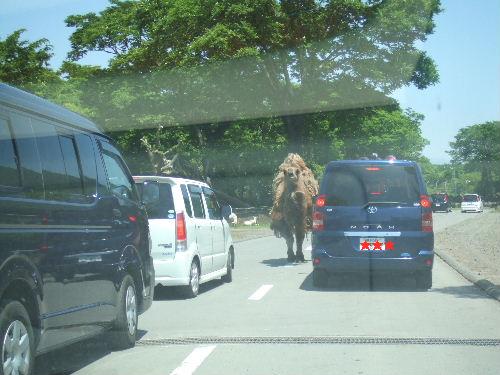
472	203
373	216
74	240
191	239
441	202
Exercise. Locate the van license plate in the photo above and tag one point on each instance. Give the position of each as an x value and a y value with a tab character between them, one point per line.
374	244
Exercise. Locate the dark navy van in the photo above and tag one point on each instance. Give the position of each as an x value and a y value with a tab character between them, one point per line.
74	239
373	216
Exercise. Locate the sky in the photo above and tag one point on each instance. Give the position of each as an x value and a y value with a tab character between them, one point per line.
465	46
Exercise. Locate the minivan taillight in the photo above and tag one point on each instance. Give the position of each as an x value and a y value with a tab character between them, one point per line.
181	234
426	221
425	201
321	201
318	221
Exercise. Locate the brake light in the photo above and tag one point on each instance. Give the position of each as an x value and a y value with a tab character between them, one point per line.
373	168
427	222
425	202
181	234
318	221
321	201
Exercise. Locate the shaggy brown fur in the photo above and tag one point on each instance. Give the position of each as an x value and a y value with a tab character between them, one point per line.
294	186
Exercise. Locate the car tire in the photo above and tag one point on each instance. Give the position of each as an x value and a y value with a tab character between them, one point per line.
191	290
15	326
124	332
228	277
424	280
320	278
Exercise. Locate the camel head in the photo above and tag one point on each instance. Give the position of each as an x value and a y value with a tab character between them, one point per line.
292	175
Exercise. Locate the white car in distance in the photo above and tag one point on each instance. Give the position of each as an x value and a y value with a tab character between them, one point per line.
191	239
472	202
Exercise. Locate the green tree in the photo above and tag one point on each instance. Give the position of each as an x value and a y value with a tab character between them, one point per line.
292	57
478	148
23	63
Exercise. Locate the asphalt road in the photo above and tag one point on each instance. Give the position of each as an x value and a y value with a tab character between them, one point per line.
271	320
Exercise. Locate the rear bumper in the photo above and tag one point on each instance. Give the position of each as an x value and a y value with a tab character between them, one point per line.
175	271
334	264
471	209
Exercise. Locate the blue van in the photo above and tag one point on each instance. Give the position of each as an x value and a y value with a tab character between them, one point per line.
373	216
75	253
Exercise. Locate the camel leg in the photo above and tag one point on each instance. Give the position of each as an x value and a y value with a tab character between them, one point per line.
299	235
289	244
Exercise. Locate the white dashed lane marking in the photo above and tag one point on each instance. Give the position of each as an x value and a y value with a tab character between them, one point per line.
261	292
193	360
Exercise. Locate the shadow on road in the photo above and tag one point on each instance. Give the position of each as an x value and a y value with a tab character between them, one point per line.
173	293
277	262
363	283
463	291
281	262
74	357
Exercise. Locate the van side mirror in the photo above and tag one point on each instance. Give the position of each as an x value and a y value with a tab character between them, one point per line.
226	210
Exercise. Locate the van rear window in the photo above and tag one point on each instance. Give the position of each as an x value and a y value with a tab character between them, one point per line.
357	185
157	199
471	198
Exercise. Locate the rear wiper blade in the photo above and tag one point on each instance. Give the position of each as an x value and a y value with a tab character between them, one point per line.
379	203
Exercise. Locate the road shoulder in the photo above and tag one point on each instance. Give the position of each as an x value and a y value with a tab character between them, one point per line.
472	248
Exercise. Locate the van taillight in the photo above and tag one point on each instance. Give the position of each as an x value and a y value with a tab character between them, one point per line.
321	201
426	221
425	201
318	221
181	234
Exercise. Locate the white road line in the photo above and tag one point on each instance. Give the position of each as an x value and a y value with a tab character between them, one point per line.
193	360
308	248
261	292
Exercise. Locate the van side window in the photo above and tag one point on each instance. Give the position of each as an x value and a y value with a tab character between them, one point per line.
31	173
9	173
213	207
198	209
187	201
88	164
74	179
120	182
49	149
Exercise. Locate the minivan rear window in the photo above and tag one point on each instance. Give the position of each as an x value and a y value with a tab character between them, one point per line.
157	199
357	185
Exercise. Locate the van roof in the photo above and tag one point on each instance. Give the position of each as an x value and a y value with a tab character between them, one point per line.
174	180
16	98
371	162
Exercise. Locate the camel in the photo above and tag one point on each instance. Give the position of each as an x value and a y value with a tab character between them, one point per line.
294	187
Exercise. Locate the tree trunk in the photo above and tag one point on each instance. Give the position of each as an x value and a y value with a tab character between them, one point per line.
295	132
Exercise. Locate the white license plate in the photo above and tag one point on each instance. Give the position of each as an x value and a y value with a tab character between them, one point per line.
371	244
437	204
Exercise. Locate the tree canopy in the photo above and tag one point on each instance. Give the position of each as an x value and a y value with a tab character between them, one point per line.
226	88
477	147
22	62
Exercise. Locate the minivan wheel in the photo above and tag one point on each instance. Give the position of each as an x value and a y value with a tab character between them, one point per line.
320	278
228	277
16	339
424	279
193	288
124	332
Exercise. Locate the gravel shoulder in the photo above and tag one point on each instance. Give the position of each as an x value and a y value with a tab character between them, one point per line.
474	244
243	234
